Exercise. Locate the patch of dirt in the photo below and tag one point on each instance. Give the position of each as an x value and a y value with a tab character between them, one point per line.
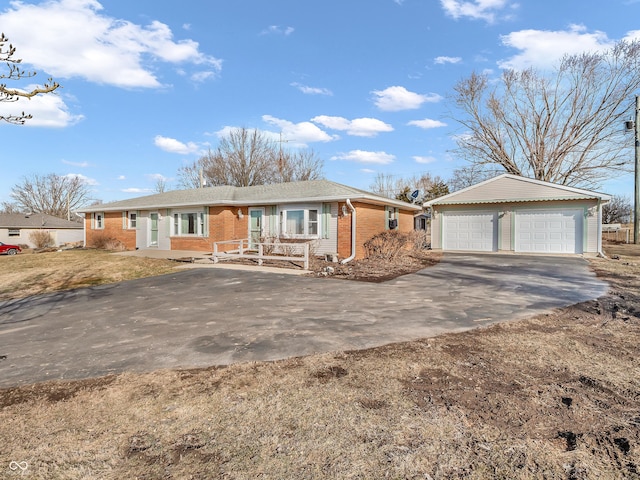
52	392
376	269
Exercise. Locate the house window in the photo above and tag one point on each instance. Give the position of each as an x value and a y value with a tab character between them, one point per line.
133	220
14	232
188	223
98	221
391	216
300	223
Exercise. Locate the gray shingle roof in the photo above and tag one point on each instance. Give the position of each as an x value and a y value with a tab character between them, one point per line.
35	220
279	193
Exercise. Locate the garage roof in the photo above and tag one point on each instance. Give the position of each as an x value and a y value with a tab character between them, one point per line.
509	188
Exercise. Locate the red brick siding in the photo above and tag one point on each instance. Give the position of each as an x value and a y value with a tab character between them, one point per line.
370	221
405	223
344	232
112	229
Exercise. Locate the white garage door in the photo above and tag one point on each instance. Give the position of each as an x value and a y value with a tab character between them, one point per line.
549	231
475	231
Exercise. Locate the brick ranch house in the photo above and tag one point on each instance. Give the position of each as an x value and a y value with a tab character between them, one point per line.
335	218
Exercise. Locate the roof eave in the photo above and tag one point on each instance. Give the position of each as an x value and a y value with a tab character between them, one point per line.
243	203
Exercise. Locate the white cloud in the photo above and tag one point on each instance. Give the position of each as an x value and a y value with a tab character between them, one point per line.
48	110
312	90
200	77
359	127
544	48
122	177
136	190
76	164
427	123
156	177
476	9
424	160
72	38
299	134
442	60
85	179
278	30
393	99
172	145
367	170
362	156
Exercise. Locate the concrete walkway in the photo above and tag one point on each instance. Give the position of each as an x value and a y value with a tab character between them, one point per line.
203	317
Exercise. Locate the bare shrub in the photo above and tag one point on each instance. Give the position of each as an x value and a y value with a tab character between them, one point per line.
386	245
41	238
105	242
269	244
419	239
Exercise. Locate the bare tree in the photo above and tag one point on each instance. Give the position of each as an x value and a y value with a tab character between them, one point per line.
471	174
51	194
298	166
247	157
563	127
401	188
15	73
617	210
10	207
386	184
160	185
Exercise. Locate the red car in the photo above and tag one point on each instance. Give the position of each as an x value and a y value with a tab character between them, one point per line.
9	249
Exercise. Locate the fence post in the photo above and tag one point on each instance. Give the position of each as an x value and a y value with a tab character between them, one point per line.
306	256
215	252
260	251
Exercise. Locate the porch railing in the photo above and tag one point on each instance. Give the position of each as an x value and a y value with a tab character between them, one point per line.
288	252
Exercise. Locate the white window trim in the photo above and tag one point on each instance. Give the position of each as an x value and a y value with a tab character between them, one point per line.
201	219
305	208
94	221
130	225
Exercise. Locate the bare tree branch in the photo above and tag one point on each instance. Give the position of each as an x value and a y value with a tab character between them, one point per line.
51	194
246	158
15	73
564	127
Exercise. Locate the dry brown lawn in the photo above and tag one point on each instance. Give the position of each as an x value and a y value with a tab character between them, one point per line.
34	273
552	397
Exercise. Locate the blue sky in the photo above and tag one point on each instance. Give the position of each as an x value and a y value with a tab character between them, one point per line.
149	86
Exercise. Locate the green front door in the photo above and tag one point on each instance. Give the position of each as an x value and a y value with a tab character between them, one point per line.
255	226
153	238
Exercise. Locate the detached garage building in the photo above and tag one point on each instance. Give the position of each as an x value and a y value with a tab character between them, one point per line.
517	214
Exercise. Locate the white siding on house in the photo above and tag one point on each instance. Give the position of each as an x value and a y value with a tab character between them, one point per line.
329	245
20	239
69	236
59	236
511	189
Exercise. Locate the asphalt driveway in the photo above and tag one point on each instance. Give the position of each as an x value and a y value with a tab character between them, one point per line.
206	317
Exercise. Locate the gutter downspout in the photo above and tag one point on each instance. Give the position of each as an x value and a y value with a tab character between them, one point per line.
600	252
353	233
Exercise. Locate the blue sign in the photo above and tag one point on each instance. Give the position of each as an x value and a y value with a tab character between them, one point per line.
415	194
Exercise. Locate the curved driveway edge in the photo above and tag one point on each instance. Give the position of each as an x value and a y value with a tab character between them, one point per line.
205	317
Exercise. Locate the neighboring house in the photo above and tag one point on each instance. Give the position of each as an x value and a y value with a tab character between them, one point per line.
517	214
16	227
336	218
